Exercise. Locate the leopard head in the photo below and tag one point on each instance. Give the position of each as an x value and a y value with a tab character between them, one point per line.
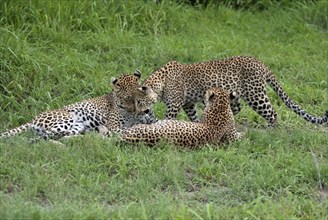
217	105
124	89
130	95
144	99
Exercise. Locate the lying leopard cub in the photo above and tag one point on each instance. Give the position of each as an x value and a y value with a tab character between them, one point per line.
182	85
217	126
116	110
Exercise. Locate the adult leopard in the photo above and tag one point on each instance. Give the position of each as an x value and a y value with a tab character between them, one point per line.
182	85
217	126
115	110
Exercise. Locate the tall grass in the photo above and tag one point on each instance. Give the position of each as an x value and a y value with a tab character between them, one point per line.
53	53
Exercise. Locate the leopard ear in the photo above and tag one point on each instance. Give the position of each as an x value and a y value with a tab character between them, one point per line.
211	96
113	80
233	95
137	73
143	90
114	83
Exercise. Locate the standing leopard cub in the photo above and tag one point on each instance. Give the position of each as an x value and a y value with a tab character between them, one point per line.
217	126
182	85
115	110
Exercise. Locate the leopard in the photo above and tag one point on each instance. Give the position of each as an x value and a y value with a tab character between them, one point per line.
216	128
181	85
115	111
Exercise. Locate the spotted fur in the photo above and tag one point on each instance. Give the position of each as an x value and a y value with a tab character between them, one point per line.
182	85
217	126
115	110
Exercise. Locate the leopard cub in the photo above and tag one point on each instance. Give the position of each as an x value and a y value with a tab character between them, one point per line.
216	127
115	110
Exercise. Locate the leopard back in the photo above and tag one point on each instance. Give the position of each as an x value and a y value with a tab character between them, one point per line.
182	85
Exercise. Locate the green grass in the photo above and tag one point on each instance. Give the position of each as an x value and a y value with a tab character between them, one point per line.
56	53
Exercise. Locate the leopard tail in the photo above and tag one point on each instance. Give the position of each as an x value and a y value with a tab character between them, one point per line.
271	79
16	130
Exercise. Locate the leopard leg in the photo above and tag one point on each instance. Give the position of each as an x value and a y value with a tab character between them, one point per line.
191	112
231	135
41	131
64	129
46	132
235	106
172	111
114	123
102	129
261	104
173	97
173	102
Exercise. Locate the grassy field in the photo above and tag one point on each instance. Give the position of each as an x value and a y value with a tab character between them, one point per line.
53	53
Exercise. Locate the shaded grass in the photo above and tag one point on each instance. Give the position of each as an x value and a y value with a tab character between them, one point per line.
55	53
257	176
